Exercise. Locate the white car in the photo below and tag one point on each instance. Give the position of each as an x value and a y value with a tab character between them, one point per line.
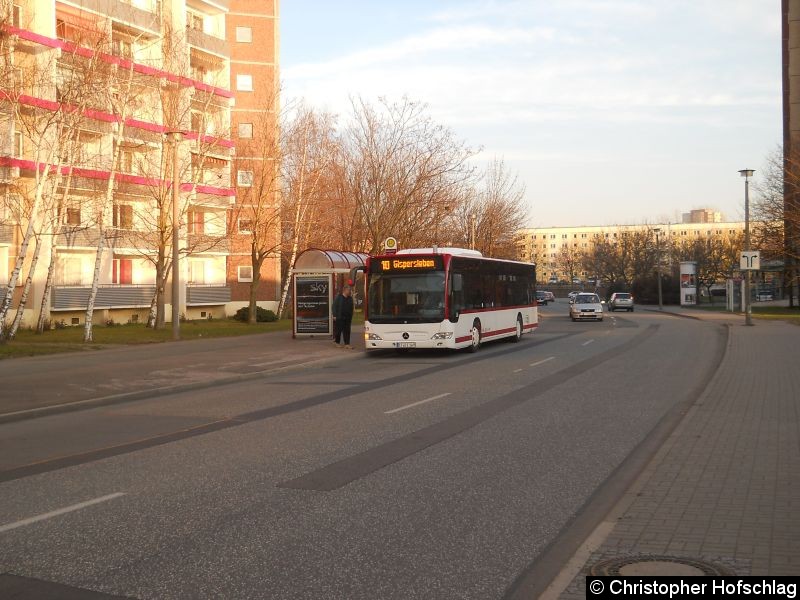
620	301
572	295
586	306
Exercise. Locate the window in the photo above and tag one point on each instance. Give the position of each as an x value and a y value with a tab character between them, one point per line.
245	225
196	222
71	271
122	47
126	160
244	178
123	216
18	146
245	273
244	35
245	131
16	15
197	271
552	236
194	21
244	83
122	271
73	216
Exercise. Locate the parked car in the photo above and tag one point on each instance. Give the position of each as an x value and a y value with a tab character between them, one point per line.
576	280
541	297
572	295
551	297
552	280
621	300
586	306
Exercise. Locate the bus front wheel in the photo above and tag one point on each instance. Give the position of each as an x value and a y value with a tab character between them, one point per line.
476	336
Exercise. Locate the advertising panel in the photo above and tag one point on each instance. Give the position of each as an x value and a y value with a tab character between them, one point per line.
688	283
312	304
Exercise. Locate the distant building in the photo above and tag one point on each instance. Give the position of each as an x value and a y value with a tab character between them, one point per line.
702	215
543	245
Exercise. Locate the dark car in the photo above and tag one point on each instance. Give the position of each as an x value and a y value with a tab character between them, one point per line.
541	297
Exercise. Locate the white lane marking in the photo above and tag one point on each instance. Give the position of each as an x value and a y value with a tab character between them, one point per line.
394	410
587	342
517	370
60	511
544	360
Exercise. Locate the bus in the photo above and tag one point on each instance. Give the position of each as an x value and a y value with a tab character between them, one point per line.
446	298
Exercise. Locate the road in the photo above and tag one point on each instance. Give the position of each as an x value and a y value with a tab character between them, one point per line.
422	475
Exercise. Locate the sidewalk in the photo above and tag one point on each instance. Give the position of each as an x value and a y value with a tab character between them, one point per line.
61	382
723	493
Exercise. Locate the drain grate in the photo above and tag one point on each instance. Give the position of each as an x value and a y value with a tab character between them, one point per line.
660	565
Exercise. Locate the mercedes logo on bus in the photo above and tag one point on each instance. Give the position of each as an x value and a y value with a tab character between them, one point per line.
405	335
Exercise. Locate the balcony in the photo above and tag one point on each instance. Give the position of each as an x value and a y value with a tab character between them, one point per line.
209	43
6	234
67	297
197	295
124	12
216	244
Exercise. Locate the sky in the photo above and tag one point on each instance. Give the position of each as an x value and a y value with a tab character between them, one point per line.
608	111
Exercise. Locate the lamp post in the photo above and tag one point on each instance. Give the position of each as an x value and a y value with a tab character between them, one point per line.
658	267
472	218
746	304
175	138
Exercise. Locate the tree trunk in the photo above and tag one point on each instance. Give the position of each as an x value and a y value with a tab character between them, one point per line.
5	306
151	314
256	261
161	279
26	290
48	287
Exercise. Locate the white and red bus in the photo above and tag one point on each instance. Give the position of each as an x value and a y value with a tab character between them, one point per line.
446	298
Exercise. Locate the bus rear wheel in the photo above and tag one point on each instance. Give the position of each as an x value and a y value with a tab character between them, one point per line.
475	332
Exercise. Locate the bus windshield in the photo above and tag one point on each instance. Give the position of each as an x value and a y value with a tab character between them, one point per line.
406	297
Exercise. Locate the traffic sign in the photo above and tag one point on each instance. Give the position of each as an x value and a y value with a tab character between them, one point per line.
750	260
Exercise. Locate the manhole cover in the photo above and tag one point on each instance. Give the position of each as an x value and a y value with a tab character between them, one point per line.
652	565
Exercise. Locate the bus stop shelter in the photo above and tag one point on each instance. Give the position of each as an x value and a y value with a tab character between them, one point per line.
317	277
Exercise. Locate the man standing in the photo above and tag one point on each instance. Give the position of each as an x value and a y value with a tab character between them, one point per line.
342	316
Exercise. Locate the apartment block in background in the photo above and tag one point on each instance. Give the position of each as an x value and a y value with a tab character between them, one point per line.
92	93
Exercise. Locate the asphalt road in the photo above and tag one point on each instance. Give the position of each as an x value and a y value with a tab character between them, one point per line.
422	475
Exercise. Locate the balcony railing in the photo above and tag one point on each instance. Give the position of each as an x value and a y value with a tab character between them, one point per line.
126	13
200	39
207	294
6	233
199	242
68	297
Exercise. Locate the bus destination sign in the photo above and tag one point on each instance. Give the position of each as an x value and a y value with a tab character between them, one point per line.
410	264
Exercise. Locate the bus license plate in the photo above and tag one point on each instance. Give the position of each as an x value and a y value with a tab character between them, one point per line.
405	344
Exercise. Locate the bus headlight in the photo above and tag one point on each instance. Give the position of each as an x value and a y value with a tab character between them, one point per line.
442	335
372	336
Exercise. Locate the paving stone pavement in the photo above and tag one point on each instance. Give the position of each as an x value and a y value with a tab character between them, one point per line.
725	487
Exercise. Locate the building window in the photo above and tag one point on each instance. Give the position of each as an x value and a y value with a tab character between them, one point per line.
71	271
245	225
16	15
197	271
123	216
245	273
244	178
194	21
73	216
244	35
122	47
18	146
122	271
245	131
244	83
196	222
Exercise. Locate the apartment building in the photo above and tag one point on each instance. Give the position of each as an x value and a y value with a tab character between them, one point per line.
104	104
543	245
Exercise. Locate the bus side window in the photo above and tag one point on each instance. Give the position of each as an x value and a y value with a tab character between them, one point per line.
456	296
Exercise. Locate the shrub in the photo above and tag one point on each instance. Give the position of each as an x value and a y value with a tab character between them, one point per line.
262	315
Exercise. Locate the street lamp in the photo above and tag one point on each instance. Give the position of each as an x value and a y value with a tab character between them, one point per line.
472	217
746	304
175	137
658	266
